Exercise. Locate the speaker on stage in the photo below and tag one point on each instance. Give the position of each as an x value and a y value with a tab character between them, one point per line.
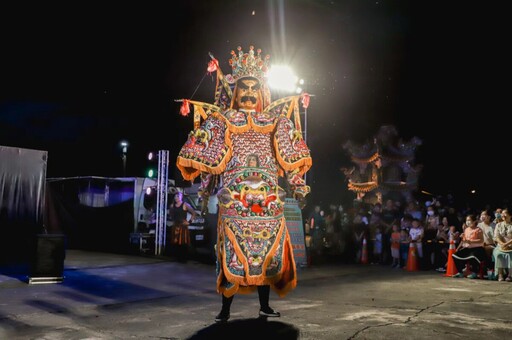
47	261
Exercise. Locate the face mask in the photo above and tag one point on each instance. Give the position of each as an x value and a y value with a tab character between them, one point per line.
498	215
430	212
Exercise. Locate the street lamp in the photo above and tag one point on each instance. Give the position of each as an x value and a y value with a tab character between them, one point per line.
124	150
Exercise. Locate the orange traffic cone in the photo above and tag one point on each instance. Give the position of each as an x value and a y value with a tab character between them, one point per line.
364	253
450	267
412	260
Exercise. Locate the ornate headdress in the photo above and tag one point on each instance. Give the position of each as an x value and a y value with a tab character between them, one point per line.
243	65
249	64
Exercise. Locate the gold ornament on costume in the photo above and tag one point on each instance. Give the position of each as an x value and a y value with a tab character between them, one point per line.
249	64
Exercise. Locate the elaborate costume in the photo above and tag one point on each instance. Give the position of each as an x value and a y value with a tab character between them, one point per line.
243	145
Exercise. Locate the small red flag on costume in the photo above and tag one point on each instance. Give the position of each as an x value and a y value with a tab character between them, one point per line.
213	65
305	100
185	108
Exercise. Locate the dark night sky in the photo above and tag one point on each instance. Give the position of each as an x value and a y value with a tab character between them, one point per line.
76	81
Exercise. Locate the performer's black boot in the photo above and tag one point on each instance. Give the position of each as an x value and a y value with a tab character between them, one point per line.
223	316
265	310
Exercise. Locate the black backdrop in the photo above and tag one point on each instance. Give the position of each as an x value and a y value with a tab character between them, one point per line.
90	228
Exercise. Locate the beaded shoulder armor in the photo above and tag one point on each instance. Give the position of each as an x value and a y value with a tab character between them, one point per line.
205	150
291	150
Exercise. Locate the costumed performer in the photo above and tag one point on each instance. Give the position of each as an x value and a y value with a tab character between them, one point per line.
243	146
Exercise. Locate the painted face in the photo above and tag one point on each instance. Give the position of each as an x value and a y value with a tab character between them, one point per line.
253	161
248	94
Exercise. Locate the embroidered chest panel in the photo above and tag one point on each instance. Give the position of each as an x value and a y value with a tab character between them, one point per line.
252	149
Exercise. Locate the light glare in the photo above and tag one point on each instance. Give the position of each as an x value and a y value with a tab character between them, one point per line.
282	78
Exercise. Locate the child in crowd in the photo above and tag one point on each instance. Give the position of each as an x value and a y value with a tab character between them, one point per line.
416	233
395	246
404	246
454	235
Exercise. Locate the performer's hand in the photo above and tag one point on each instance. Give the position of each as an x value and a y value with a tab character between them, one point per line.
204	206
302	202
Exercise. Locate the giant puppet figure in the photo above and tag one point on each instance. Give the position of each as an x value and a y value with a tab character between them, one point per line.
241	145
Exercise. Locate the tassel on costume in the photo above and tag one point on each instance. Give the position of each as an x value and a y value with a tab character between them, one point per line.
185	108
213	65
305	100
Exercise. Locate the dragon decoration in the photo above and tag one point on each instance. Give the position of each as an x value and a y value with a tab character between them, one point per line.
384	165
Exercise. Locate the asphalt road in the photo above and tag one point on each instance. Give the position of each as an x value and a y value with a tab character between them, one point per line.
111	296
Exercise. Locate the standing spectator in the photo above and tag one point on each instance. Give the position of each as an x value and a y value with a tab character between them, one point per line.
360	232
453	218
405	240
346	245
488	231
376	216
431	222
432	219
335	216
413	209
440	208
390	216
332	228
416	234
441	247
180	235
503	252
395	246
377	246
316	224
314	217
375	221
406	222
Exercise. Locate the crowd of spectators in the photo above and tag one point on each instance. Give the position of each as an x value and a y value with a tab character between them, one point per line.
482	238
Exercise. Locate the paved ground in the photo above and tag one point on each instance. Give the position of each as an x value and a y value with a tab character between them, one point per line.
109	296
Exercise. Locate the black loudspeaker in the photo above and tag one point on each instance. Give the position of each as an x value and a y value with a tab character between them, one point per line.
47	262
